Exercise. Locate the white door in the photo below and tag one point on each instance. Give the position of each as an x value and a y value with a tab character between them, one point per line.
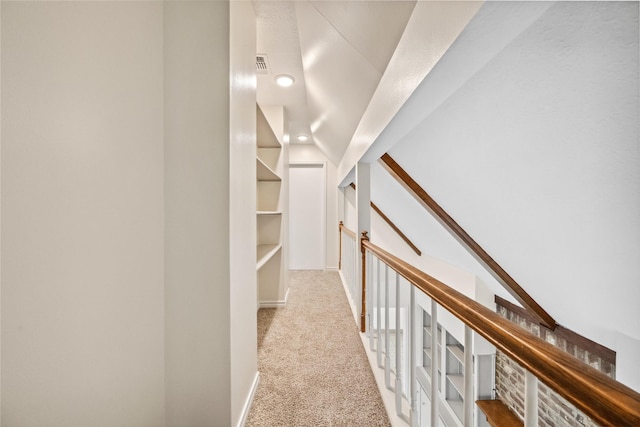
306	216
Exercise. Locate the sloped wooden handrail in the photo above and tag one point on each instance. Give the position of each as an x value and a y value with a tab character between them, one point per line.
605	400
506	280
346	231
341	229
392	225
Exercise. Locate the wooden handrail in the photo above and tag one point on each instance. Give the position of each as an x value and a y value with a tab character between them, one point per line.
343	229
506	280
340	225
392	225
346	231
605	400
396	229
363	293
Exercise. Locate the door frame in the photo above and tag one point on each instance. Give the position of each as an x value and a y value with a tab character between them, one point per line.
323	166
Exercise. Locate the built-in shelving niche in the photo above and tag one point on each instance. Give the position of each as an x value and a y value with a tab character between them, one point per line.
270	174
454	385
450	353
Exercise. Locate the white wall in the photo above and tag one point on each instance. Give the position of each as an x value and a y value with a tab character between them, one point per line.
211	334
82	214
431	29
197	263
443	256
536	156
0	214
122	290
243	277
310	153
349	217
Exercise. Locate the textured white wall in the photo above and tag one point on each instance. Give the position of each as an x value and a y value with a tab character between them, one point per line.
310	153
82	214
536	156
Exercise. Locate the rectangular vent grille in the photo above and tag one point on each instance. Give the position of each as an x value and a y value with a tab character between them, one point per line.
262	66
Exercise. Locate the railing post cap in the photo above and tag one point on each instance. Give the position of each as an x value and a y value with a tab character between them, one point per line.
364	235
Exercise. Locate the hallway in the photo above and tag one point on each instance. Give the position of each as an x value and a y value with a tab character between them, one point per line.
313	367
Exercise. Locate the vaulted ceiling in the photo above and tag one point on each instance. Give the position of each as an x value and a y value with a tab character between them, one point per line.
337	51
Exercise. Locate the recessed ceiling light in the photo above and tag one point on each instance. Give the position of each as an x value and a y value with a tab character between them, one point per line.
302	138
284	80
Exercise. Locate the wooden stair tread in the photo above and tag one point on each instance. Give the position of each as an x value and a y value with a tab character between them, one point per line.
498	414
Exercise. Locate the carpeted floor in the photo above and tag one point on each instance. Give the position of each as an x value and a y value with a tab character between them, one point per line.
313	367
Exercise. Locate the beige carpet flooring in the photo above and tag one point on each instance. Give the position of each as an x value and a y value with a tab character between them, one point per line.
313	367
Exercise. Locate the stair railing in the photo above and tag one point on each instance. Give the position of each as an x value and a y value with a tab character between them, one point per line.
391	287
347	263
450	224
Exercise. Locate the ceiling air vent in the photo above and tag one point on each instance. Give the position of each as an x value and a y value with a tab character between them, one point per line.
262	66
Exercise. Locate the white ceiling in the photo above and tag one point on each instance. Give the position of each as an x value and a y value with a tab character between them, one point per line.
337	51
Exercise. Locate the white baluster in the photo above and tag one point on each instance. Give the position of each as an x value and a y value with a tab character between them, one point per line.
387	359
378	318
530	400
398	347
467	412
413	416
435	362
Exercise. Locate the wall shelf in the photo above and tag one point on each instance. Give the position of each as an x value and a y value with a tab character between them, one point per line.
270	210
457	380
457	352
456	405
265	253
264	172
454	393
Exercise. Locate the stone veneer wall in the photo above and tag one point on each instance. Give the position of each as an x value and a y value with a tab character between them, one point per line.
553	409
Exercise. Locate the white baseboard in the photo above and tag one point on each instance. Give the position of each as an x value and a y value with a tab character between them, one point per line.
354	310
275	304
331	269
388	396
249	401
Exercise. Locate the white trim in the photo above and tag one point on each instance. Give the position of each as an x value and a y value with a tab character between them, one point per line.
323	165
333	269
274	304
349	300
247	404
388	396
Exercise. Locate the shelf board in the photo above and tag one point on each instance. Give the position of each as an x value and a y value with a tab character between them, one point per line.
457	406
265	253
264	134
268	213
457	380
457	352
264	172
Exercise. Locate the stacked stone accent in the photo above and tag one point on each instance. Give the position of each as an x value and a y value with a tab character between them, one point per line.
553	409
